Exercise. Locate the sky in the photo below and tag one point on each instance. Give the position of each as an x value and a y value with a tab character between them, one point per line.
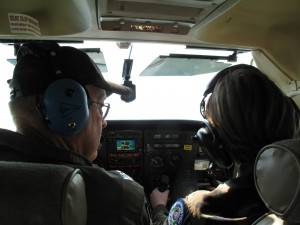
6	70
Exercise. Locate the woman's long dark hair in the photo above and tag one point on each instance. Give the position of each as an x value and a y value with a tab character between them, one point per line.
249	111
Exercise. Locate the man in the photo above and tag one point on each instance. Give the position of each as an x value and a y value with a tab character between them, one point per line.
57	104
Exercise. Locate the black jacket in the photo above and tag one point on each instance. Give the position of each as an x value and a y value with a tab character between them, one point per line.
112	198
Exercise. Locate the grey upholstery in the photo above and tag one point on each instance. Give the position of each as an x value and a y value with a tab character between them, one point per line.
32	193
277	179
269	219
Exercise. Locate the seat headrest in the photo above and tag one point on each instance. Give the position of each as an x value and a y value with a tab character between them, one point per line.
277	178
32	193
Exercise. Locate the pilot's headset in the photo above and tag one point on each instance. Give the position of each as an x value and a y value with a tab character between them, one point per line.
64	102
207	136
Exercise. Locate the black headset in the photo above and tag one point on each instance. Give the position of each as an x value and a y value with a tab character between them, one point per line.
212	145
65	102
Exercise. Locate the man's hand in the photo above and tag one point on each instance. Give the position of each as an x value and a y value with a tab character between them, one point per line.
159	198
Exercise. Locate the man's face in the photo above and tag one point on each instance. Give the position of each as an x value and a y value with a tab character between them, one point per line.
90	137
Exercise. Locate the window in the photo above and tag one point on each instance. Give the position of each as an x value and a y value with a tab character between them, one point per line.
170	79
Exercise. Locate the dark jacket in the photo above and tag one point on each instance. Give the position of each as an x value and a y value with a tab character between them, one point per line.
112	197
235	202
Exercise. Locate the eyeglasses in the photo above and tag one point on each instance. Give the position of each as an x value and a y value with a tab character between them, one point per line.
103	108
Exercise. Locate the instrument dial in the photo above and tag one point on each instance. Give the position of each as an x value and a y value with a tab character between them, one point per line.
157	162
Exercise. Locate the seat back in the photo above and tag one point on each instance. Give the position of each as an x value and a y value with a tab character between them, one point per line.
277	179
32	194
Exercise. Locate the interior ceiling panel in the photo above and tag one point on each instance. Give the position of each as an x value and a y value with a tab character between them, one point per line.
185	13
50	17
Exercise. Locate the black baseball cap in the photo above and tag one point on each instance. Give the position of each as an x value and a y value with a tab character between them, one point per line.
41	62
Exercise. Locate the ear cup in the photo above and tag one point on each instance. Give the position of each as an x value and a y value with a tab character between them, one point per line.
65	107
212	145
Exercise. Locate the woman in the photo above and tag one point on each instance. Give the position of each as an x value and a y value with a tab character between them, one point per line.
245	112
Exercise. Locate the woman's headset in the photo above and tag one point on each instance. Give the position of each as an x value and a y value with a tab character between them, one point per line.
64	103
212	145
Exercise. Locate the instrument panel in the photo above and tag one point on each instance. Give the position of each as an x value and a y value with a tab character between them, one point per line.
158	153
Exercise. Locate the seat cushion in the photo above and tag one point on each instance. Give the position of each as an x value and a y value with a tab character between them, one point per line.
269	219
277	178
33	193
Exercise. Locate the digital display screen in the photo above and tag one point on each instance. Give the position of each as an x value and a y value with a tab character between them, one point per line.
166	145
125	145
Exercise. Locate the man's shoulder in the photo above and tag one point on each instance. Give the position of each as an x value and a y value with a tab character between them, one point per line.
113	177
10	140
112	185
117	192
6	134
15	140
16	146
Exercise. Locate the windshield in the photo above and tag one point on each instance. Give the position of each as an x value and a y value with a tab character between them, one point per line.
169	79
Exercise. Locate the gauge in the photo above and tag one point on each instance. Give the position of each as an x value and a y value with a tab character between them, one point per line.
157	161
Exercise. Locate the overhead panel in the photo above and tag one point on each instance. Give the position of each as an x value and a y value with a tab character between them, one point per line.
161	16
